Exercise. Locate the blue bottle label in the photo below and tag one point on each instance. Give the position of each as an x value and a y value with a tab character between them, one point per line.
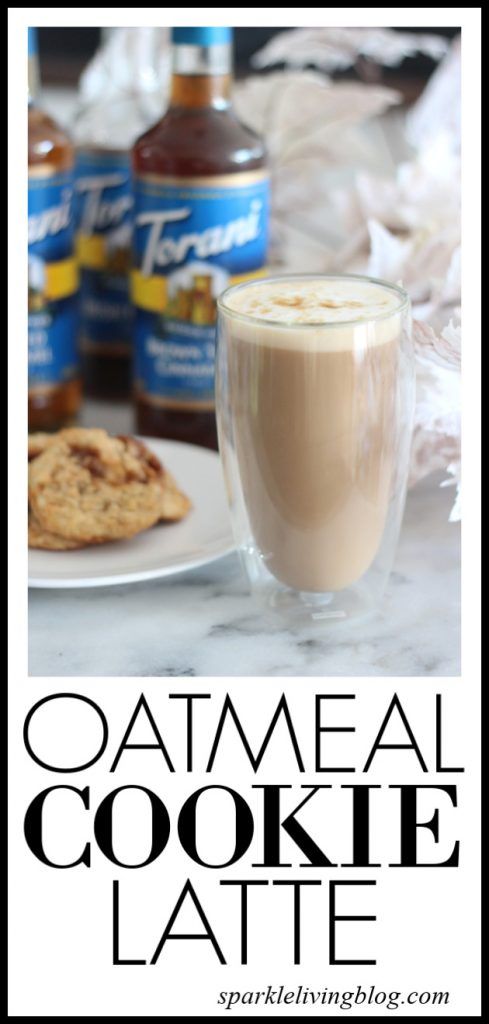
191	239
52	279
103	203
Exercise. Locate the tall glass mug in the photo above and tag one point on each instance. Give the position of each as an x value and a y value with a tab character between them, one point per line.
315	398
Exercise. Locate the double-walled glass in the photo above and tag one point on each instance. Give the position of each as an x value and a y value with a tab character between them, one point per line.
314	423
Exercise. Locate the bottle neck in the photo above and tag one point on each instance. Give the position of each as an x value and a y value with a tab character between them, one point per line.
201	76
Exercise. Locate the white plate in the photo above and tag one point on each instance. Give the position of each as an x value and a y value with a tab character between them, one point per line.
167	548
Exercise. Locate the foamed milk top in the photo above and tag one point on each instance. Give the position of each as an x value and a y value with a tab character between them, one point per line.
328	313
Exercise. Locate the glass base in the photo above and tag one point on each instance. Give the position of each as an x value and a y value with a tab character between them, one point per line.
324	609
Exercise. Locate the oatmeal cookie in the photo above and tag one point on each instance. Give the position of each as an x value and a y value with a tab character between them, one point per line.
90	487
45	541
37	536
174	503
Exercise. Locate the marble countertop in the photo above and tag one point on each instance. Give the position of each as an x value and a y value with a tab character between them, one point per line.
203	622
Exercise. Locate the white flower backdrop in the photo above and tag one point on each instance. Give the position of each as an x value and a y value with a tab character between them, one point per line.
359	183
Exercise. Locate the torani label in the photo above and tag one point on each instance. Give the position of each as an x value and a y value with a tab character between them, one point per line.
192	238
103	203
52	278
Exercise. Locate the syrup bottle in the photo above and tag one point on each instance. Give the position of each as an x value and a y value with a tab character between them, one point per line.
200	223
54	372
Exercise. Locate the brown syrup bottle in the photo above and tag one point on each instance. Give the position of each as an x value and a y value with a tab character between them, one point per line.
197	158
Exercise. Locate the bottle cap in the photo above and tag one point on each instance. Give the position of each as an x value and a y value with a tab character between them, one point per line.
216	35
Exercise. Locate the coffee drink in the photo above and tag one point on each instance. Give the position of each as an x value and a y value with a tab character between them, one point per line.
312	369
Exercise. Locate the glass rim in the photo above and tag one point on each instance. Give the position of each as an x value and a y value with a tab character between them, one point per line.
404	302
